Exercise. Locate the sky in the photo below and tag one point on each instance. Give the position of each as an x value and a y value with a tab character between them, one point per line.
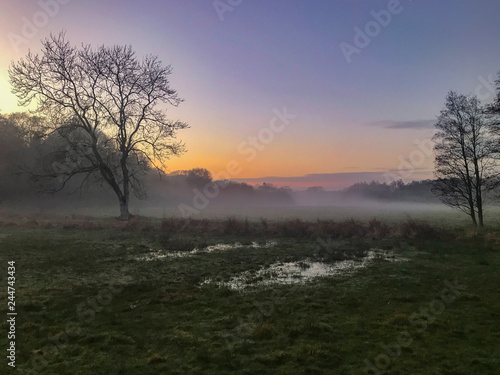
298	92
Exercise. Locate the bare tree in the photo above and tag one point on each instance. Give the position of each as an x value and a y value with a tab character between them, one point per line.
463	162
494	113
104	103
494	108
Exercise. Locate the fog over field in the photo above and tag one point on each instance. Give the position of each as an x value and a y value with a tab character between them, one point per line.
193	194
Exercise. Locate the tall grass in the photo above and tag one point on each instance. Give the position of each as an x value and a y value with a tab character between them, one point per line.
295	228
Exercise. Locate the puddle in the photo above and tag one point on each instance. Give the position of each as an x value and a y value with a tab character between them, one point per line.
237	245
302	271
159	254
156	255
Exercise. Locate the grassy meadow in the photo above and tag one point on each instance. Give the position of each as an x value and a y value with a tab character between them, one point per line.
98	296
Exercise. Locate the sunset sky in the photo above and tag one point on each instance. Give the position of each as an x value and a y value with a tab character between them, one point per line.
235	66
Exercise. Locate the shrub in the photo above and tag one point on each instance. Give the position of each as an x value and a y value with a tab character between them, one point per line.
350	228
296	229
377	229
234	226
413	229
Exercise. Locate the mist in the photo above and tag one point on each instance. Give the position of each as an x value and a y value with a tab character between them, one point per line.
188	193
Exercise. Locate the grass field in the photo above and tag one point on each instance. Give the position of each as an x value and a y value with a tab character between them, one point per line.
102	297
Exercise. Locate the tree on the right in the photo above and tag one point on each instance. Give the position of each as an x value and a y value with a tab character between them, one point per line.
464	155
494	113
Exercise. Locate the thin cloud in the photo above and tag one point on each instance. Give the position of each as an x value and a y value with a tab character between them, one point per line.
416	124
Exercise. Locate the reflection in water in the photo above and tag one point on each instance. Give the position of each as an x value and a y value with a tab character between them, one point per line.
159	254
302	271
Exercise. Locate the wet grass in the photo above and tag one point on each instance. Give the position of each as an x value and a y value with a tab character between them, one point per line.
87	306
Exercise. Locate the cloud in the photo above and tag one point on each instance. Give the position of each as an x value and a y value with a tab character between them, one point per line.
416	124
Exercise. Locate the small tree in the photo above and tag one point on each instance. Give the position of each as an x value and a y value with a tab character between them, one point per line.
109	98
463	162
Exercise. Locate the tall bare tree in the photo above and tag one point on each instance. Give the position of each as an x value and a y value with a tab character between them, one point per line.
494	112
463	162
101	99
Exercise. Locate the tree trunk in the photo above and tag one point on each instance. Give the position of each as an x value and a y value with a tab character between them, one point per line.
124	213
473	217
468	180
472	208
479	203
479	188
477	172
124	200
481	222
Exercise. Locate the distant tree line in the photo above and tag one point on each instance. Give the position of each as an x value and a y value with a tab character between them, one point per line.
418	191
25	147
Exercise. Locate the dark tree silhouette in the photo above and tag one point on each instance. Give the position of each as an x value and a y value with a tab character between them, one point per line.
463	162
494	112
11	149
494	108
104	103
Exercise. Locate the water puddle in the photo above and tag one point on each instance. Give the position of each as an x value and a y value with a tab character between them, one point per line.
302	271
237	245
159	254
